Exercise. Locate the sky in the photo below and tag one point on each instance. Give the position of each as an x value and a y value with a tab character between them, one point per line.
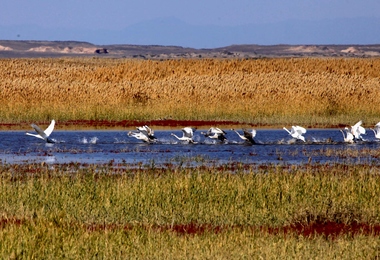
74	18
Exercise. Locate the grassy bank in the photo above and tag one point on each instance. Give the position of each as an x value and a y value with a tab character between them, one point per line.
98	211
307	91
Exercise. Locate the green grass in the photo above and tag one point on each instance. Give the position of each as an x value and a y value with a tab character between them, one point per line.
68	242
101	212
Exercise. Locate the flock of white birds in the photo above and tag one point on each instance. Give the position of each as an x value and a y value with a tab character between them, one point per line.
146	134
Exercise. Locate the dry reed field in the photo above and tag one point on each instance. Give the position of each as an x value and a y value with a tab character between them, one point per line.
263	92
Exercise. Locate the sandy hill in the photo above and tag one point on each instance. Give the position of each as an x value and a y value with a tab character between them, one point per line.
24	49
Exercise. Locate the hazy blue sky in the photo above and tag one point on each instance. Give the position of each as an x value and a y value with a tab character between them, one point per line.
116	15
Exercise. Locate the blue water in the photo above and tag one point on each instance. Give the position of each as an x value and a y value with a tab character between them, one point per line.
99	147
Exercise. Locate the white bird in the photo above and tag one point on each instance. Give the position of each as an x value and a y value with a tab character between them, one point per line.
216	133
44	134
140	136
146	130
348	137
247	135
296	132
376	130
188	134
143	133
357	130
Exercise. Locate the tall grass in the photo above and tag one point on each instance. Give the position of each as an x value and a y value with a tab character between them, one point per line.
274	197
264	91
104	212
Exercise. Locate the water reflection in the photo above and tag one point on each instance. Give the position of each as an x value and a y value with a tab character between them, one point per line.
273	146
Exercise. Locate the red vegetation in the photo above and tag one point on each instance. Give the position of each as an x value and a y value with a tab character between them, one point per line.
167	123
111	124
327	229
10	221
134	123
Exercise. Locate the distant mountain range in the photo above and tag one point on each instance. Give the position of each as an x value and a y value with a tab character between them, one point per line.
172	31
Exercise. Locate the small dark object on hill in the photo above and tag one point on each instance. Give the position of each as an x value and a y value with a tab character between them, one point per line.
101	51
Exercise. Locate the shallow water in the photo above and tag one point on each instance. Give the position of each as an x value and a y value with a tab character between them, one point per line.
273	147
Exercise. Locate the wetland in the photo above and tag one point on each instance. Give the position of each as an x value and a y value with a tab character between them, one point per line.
98	193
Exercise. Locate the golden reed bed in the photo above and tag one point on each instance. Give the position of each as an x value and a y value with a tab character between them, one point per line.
315	92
